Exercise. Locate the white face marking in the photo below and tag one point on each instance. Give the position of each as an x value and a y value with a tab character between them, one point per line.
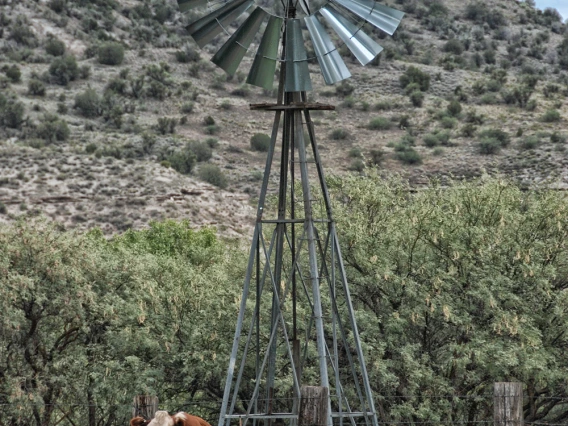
161	418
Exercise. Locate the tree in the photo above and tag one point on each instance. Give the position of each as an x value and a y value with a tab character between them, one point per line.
87	320
455	289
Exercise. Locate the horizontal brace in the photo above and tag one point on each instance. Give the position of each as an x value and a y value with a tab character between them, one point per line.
292	106
294	221
294	416
262	416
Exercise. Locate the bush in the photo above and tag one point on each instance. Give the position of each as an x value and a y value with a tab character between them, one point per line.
212	174
339	134
110	53
454	46
551	116
409	156
11	112
89	103
187	108
3	208
344	89
52	129
260	142
187	55
431	140
417	98
376	156
55	47
489	146
36	87
501	136
202	151
415	75
454	108
14	73
379	123
182	161
64	69
166	125
449	122
530	142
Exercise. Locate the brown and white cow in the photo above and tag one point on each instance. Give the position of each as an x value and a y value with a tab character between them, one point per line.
162	418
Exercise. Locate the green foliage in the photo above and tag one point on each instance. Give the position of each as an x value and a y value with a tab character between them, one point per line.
260	142
376	157
127	308
202	150
551	116
456	289
415	75
54	47
409	156
344	89
454	108
212	174
481	14
454	46
13	73
489	146
11	112
52	129
379	123
529	142
22	33
188	55
500	135
110	53
339	134
36	87
166	125
417	98
183	161
64	69
89	103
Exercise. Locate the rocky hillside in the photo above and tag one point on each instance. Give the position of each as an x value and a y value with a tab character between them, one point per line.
111	116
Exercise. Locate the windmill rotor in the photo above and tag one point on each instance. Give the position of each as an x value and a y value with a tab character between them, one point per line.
337	14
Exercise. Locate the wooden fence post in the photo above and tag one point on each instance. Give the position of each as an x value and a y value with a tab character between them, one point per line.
145	406
508	404
313	406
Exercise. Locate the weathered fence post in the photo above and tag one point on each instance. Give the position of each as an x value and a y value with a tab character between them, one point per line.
313	406
508	404
145	406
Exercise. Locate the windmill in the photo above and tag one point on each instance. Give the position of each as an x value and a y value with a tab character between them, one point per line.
296	323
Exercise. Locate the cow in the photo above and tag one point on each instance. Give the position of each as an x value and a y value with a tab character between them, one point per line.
162	418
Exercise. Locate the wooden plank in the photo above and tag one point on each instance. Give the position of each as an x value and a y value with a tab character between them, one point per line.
292	106
145	406
508	404
313	406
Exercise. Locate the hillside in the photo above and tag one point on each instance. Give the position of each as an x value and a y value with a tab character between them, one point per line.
111	116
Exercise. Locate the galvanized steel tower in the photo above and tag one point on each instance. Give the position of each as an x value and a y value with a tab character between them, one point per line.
296	324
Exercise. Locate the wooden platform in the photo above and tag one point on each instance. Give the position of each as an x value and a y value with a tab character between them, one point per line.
293	106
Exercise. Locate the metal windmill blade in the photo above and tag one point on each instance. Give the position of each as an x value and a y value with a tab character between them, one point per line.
332	66
297	321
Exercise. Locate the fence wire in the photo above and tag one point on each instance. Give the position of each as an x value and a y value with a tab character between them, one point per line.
395	410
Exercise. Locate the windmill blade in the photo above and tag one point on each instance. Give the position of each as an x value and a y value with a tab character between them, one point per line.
360	44
233	51
332	66
261	73
186	5
382	17
205	29
297	72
